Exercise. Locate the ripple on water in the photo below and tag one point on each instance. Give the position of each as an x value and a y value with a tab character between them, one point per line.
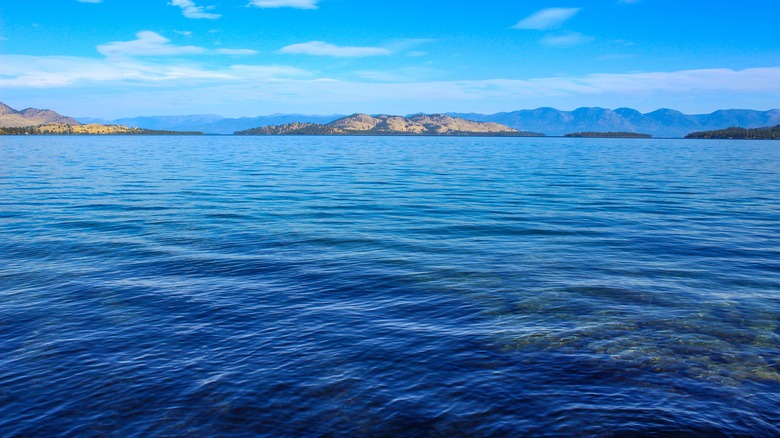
210	286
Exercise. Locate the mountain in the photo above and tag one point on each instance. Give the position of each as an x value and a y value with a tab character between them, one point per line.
660	123
767	133
419	124
11	118
5	109
210	123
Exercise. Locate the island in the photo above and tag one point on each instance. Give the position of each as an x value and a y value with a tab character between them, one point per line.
419	124
737	133
608	135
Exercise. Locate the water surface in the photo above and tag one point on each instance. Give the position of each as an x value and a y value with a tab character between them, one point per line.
385	286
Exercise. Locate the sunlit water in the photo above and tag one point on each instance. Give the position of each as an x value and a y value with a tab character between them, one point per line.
376	286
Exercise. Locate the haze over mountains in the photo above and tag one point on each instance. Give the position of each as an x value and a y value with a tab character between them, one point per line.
659	123
550	121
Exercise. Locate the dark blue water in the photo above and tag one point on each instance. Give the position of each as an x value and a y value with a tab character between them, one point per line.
315	286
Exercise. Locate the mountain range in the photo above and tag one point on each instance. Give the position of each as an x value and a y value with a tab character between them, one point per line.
550	121
364	124
659	123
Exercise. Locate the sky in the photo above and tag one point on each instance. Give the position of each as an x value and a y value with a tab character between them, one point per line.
125	58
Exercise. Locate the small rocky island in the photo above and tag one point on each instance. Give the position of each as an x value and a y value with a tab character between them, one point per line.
420	124
767	133
608	135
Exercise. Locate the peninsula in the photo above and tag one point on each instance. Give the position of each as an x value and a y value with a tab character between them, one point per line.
420	124
88	129
33	121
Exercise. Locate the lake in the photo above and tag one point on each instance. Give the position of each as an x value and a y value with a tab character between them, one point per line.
388	286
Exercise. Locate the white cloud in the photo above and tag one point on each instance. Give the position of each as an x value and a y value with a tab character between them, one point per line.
406	74
48	72
320	48
90	1
297	4
62	71
547	18
185	33
150	43
566	40
173	85
190	10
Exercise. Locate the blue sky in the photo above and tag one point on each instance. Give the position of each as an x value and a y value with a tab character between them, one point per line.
122	58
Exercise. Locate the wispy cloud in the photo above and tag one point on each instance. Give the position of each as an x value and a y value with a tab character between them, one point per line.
63	71
547	18
89	1
566	40
406	74
297	4
174	85
47	72
148	43
320	48
236	51
190	10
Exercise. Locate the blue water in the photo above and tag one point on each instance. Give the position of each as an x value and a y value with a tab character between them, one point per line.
384	286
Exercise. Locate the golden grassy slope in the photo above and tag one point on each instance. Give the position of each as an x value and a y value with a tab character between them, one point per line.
92	128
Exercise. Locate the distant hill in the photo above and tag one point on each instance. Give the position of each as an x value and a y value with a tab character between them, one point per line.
11	118
659	123
363	124
210	123
766	133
